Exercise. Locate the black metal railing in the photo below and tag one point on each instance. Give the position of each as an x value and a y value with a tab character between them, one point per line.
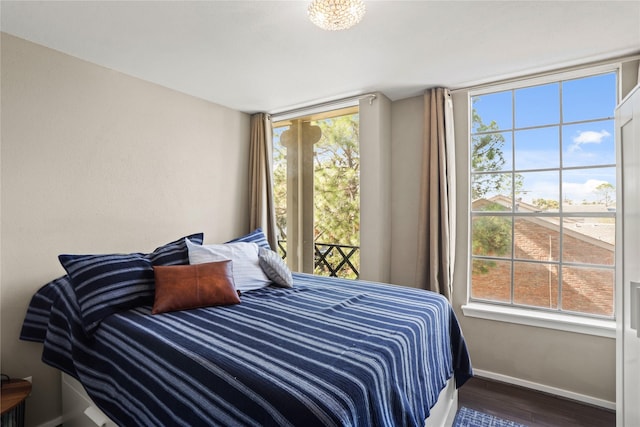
332	259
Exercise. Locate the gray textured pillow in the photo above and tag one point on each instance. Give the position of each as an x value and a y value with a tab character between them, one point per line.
275	268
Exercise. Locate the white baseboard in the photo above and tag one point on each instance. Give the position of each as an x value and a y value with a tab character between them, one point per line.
546	389
52	423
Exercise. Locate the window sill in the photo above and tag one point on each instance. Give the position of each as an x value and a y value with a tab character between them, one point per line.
561	322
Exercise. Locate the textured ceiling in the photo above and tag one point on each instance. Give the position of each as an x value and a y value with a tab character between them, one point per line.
267	56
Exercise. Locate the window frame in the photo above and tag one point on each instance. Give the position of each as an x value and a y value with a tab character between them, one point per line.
530	315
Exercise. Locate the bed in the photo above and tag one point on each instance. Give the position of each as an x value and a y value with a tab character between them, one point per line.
324	352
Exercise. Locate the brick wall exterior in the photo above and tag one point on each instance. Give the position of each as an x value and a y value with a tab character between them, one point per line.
587	290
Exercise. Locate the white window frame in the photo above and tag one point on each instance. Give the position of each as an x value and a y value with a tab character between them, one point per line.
577	323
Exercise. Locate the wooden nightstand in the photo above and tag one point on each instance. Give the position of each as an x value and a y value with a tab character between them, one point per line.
13	395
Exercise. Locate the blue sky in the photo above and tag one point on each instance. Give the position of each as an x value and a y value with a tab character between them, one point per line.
569	122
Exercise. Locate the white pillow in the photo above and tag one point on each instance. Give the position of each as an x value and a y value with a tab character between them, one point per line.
247	273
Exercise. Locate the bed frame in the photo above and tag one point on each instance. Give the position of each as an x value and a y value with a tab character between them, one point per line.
78	410
444	411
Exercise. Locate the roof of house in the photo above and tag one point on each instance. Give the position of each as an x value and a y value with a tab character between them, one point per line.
596	230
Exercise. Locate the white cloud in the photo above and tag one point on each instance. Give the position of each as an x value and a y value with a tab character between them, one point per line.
582	191
588	137
577	192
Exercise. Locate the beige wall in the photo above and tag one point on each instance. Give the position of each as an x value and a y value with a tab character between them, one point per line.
406	162
568	361
94	161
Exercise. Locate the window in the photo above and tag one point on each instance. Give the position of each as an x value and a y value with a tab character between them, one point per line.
542	185
317	192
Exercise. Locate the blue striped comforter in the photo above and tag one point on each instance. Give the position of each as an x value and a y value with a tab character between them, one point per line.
329	352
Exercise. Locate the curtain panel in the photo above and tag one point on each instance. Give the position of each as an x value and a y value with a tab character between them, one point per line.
437	220
262	209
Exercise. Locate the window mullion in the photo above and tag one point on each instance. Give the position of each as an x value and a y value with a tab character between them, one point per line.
513	195
561	206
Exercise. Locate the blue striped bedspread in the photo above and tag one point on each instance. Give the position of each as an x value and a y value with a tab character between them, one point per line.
328	352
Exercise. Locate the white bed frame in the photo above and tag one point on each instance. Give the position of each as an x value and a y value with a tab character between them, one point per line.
78	410
444	411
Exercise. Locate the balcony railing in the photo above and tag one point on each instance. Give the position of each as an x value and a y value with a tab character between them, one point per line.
332	259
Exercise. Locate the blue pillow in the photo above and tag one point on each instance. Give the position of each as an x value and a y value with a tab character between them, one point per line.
257	236
106	284
176	252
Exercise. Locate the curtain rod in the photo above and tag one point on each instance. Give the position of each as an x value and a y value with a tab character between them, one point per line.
603	62
315	107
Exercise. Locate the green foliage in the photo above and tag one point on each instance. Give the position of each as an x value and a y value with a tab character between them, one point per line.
280	184
486	156
491	235
606	193
337	182
336	188
546	204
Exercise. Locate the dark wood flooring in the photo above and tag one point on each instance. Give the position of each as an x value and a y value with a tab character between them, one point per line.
530	407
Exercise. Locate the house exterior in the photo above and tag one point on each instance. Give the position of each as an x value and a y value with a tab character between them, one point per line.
585	240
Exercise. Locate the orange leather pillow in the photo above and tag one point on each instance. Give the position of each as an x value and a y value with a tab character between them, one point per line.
181	287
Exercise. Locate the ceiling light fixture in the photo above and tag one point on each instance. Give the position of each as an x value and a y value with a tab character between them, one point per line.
336	14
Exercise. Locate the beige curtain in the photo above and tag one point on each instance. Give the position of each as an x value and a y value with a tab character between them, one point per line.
436	238
262	210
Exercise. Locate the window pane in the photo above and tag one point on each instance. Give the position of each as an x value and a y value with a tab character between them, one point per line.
589	190
491	280
589	98
491	191
537	105
491	152
588	144
588	290
537	148
491	112
535	284
491	236
536	190
589	240
537	238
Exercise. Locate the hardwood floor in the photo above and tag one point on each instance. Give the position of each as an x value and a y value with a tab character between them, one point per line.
529	407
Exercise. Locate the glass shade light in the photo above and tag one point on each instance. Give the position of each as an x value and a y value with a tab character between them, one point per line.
336	14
